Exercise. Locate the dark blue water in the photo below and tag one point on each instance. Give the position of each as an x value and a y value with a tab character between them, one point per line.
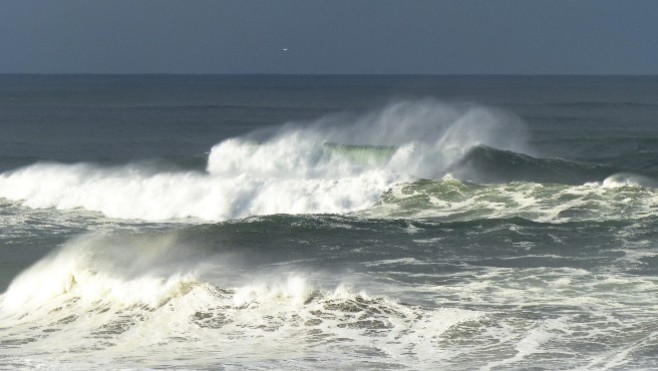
377	222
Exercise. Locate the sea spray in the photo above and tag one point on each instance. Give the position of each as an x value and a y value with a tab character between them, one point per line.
123	299
290	172
295	289
540	256
127	269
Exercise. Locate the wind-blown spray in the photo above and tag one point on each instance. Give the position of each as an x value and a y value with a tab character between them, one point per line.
336	164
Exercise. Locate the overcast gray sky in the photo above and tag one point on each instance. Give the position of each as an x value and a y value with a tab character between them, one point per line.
331	36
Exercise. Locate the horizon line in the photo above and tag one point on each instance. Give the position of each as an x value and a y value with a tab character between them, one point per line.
324	74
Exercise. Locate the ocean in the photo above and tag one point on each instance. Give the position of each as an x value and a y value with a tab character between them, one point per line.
328	222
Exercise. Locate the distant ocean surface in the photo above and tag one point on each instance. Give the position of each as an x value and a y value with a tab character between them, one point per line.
328	222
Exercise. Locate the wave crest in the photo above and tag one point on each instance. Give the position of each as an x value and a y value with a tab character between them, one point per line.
99	295
95	269
294	171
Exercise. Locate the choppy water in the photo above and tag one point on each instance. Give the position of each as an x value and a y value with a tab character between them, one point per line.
303	222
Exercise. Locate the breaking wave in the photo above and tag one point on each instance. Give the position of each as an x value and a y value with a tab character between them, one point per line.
410	159
336	164
489	165
102	295
618	197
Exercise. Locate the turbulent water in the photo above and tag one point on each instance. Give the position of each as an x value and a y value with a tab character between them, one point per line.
304	222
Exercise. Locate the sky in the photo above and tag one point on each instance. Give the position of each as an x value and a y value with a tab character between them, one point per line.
330	36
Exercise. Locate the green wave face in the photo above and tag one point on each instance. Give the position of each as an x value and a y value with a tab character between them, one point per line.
361	154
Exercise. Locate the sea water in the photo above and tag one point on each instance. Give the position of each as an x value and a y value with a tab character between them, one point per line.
328	222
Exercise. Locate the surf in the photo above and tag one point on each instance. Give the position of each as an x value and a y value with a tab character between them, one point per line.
373	164
617	197
133	295
335	164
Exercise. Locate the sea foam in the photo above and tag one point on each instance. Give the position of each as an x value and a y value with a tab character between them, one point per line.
95	268
112	296
292	171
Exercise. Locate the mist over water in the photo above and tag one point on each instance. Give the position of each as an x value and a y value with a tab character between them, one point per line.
329	222
292	171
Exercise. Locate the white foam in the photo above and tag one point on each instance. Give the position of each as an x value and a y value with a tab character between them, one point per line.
291	172
294	289
628	180
144	318
103	299
531	343
96	268
453	199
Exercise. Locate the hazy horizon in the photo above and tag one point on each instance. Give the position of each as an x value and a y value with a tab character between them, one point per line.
469	37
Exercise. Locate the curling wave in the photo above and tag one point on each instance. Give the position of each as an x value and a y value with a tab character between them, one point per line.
420	160
100	295
484	164
297	170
